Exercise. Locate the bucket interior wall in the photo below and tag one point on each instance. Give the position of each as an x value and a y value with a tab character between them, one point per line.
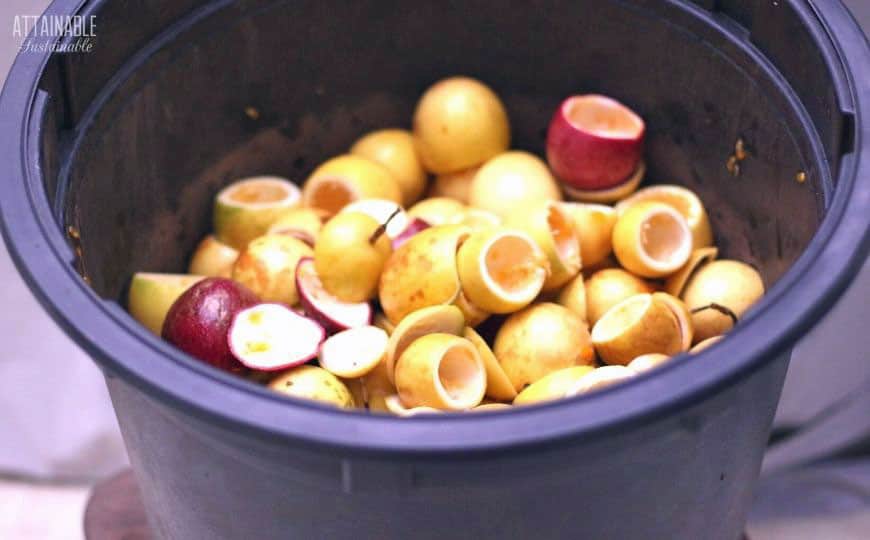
276	88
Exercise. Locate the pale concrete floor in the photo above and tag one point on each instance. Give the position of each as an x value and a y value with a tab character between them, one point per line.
41	511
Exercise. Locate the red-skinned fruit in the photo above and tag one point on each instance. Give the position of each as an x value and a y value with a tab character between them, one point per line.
333	314
594	142
199	320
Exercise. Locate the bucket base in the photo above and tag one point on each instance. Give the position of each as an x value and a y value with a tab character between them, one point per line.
115	510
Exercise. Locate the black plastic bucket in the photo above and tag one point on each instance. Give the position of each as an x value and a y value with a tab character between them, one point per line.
126	145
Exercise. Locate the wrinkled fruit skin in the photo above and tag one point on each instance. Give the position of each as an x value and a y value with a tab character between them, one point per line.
198	322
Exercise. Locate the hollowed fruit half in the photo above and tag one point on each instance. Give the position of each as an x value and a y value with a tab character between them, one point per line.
501	270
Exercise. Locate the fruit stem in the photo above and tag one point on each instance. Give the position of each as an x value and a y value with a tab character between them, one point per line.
382	228
720	308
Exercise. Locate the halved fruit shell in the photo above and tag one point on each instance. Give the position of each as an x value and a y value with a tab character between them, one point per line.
593	224
501	270
348	178
638	325
594	142
553	231
271	337
675	284
651	239
151	295
354	352
683	200
245	209
609	195
382	211
683	315
498	385
428	320
325	308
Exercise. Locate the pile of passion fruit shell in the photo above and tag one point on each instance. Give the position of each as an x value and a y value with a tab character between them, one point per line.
373	287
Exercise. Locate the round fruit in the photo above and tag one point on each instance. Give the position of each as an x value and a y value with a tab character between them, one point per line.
354	352
512	182
456	185
213	258
675	284
553	386
553	231
718	294
459	123
442	371
437	210
651	239
245	209
394	149
428	320
607	195
151	295
268	267
422	272
683	201
593	224
348	178
303	221
501	270
594	142
271	337
498	385
646	362
539	340
638	325
608	287
600	378
349	256
326	309
382	211
313	383
573	296
199	320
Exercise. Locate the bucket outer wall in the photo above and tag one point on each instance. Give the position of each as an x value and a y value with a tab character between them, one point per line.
685	476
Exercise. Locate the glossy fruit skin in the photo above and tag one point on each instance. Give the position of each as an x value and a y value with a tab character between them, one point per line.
587	160
539	340
511	182
268	267
732	284
348	263
459	122
199	321
608	287
422	272
394	149
314	383
213	258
